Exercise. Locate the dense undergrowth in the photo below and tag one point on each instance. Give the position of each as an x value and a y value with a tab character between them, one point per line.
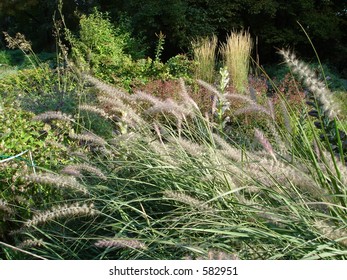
139	160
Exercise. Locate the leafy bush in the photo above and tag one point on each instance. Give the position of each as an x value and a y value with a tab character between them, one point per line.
99	46
104	49
180	66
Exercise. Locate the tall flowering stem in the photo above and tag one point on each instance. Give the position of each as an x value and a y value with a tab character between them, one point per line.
324	107
222	104
316	87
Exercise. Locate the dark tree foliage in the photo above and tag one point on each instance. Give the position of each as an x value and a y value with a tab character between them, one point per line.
273	22
34	18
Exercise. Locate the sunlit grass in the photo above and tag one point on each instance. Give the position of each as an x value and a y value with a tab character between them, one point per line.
205	57
236	52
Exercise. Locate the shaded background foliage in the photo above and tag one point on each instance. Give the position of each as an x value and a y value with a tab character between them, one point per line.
273	22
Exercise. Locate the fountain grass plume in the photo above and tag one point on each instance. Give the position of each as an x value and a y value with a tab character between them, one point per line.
188	200
61	211
121	243
31	243
78	168
310	79
259	135
111	91
93	109
58	181
88	137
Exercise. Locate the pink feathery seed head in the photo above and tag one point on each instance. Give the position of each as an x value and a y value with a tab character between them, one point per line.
186	97
227	150
72	171
328	230
112	102
271	109
179	107
316	149
129	115
157	130
190	147
183	87
286	117
210	88
264	142
169	106
254	108
187	199
241	97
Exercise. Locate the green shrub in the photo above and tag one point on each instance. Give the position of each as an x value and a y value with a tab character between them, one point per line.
180	66
99	46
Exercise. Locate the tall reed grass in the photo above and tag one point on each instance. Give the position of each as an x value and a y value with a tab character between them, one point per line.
205	56
236	53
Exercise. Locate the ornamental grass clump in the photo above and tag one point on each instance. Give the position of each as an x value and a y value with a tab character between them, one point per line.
205	57
163	191
236	53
